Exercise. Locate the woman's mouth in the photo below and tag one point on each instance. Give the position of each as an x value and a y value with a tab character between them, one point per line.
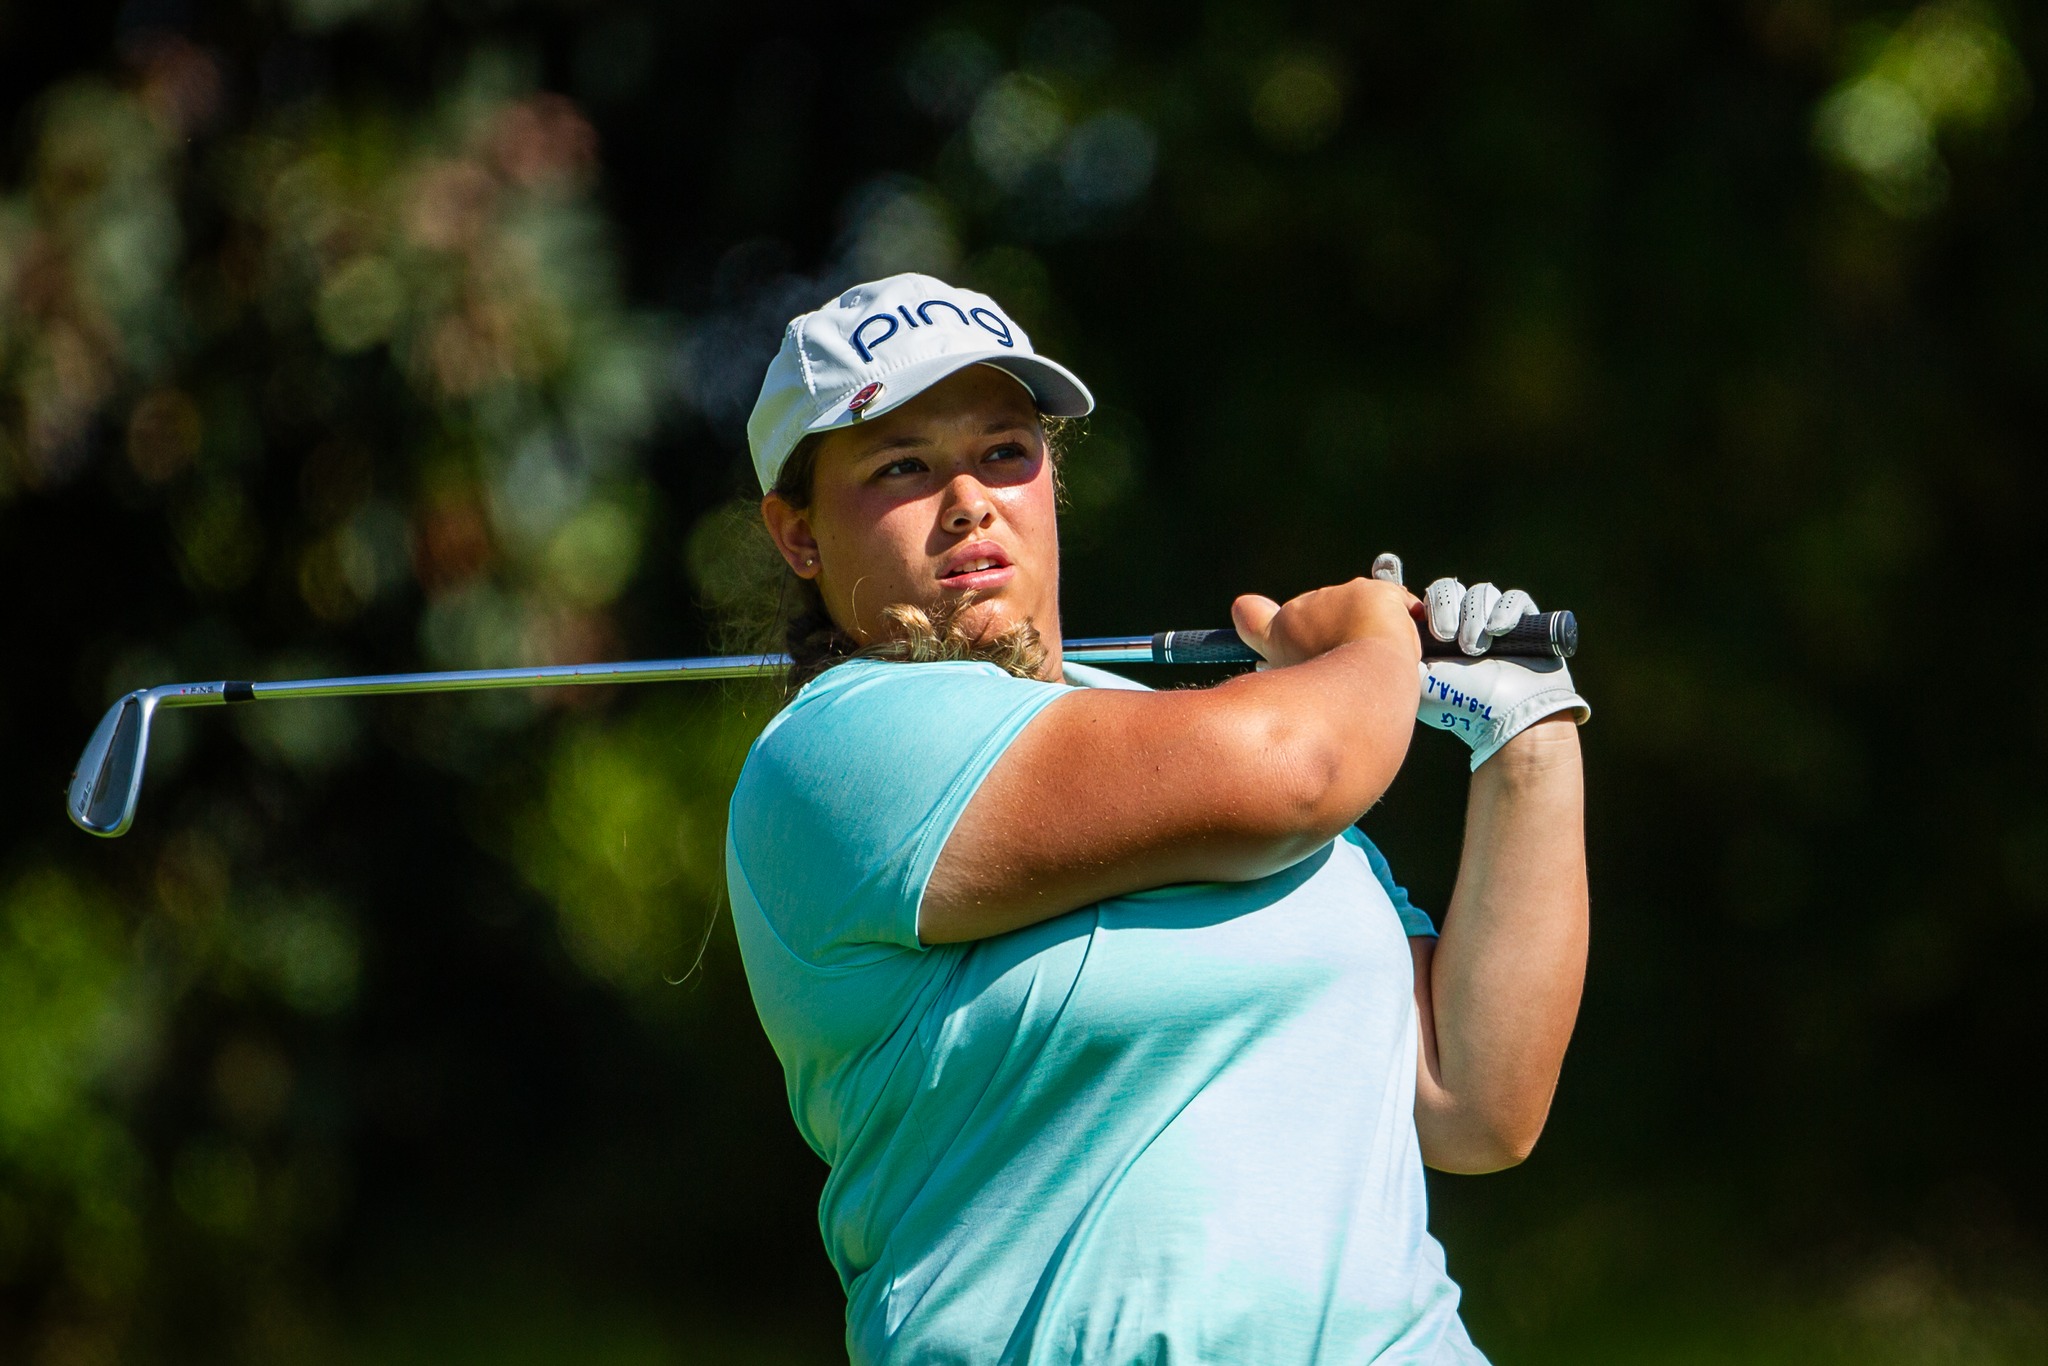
977	568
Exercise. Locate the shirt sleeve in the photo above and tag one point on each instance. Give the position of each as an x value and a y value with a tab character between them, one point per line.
846	800
1088	676
1414	920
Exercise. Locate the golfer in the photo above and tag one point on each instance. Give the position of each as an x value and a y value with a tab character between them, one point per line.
1118	1036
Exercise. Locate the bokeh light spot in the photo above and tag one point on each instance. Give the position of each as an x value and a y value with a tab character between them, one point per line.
948	71
1015	127
1298	101
594	555
215	1187
1108	160
1947	68
163	434
359	304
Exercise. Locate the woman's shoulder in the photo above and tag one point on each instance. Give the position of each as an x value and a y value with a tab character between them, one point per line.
885	686
866	716
845	801
886	682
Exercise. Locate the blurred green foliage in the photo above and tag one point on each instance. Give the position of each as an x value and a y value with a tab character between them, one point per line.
351	334
628	838
1947	68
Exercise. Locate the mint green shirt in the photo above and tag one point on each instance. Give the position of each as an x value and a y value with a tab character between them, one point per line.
1176	1126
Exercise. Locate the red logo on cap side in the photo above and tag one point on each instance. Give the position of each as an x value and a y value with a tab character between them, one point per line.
868	394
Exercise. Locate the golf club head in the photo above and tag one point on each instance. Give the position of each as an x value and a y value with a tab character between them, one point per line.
108	779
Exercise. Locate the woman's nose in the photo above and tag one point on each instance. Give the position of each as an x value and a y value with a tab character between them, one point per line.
968	505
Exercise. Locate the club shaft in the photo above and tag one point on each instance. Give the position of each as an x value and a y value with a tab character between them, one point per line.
554	676
1549	634
107	782
707	668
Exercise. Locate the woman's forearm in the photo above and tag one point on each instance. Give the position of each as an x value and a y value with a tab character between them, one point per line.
1499	991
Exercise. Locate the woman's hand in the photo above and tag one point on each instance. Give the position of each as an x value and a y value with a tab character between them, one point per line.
1323	619
1488	702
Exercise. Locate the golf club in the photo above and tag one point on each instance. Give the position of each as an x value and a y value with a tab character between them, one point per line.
108	780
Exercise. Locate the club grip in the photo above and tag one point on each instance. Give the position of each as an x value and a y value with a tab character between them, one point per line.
1542	635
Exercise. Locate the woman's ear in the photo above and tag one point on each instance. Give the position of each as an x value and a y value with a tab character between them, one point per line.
791	532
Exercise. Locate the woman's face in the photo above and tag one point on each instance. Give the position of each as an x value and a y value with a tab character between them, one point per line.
950	494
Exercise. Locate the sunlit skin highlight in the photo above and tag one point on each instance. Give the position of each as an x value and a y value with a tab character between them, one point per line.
949	495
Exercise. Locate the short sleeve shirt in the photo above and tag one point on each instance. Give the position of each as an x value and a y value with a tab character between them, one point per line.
1172	1126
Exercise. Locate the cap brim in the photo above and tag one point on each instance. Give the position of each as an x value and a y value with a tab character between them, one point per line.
1056	390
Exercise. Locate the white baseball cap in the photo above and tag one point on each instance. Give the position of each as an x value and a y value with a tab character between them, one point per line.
882	344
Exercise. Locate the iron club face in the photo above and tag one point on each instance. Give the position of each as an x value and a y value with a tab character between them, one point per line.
108	779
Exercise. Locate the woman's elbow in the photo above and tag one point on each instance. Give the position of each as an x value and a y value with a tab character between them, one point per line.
1477	1145
1311	784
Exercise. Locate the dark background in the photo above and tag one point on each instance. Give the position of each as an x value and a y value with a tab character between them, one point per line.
353	335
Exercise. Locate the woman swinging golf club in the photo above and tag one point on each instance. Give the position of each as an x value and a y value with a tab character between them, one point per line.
1119	1038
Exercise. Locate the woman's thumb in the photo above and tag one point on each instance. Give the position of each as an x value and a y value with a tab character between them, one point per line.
1253	616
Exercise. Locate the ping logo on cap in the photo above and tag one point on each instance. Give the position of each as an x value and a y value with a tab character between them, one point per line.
868	394
987	319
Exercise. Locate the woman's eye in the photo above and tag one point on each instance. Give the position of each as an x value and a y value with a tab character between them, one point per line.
1009	452
909	464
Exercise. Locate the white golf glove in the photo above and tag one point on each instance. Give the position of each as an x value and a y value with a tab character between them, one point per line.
1484	702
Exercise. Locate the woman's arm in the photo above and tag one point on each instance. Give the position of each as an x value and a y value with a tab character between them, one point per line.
1107	792
1497	994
